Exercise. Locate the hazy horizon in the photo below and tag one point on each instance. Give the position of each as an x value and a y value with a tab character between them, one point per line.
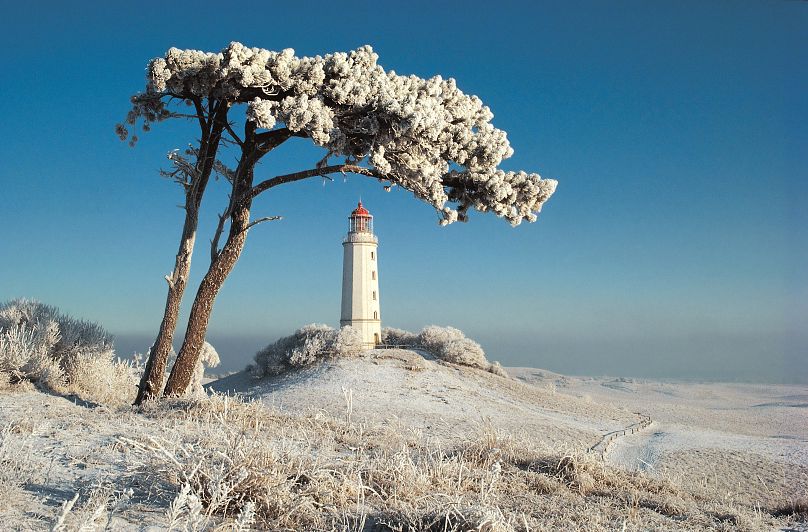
237	351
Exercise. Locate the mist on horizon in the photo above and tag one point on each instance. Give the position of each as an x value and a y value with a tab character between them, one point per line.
754	359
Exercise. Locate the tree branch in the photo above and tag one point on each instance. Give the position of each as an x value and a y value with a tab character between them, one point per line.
297	176
268	140
214	242
200	113
185	115
261	220
229	129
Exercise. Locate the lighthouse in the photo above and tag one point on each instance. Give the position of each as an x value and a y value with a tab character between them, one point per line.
360	278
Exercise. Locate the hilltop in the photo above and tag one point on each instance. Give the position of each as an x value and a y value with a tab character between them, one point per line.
415	391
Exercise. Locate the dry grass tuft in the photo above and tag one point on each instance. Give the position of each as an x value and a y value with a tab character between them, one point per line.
15	470
315	472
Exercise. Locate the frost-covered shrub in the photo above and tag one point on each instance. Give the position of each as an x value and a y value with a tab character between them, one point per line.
209	358
74	335
314	343
497	369
307	346
446	343
393	336
451	345
60	353
25	354
347	342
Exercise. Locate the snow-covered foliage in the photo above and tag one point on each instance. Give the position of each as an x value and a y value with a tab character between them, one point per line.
425	135
393	336
446	343
25	354
208	358
451	345
307	346
40	344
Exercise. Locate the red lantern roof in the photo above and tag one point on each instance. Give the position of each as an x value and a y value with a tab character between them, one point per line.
361	211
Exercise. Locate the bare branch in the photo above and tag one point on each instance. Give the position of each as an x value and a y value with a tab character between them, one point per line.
262	220
214	242
268	140
236	138
297	176
268	135
185	115
200	113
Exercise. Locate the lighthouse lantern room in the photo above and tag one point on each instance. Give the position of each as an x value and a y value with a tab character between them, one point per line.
360	278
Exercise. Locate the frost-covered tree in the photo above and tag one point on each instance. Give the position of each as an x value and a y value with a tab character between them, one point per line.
192	170
424	135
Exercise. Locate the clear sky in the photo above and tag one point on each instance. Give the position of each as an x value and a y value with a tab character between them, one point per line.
675	245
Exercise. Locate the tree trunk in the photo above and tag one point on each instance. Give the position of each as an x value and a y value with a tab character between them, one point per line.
151	383
220	268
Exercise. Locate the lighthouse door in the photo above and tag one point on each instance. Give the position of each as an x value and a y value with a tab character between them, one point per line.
376	338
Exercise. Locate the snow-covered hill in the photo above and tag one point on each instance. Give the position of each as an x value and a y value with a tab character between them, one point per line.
412	390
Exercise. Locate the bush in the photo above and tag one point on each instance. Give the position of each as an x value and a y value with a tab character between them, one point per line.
209	358
307	346
393	336
313	343
451	345
25	354
446	343
60	353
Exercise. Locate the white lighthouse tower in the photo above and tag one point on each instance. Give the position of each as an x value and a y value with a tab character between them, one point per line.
360	278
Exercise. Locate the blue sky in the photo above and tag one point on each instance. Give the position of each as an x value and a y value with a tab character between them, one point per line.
675	245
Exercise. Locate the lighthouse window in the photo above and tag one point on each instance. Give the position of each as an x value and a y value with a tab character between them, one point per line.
373	275
375	315
374	295
372	255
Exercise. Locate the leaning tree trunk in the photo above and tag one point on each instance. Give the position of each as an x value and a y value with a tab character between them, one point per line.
220	268
151	383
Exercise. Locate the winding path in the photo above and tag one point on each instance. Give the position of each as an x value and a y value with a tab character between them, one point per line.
602	446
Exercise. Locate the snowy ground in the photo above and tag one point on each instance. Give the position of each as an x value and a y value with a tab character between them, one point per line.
733	445
403	388
746	438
